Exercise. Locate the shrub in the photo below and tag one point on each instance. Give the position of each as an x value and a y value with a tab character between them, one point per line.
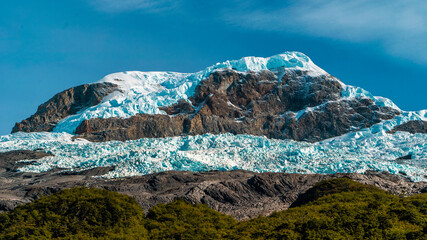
80	213
182	220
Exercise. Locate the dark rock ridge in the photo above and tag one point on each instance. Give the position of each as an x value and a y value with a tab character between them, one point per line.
256	103
414	126
9	160
406	157
64	104
239	193
18	155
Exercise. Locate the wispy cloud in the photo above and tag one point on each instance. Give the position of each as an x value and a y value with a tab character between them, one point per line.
133	5
400	26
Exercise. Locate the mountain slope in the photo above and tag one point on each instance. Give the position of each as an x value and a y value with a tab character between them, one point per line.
285	96
276	114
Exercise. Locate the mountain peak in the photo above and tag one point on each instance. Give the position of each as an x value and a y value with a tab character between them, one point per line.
134	92
280	113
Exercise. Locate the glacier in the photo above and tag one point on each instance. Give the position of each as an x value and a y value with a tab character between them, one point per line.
368	149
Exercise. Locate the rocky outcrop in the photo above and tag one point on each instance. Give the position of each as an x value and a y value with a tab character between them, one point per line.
9	163
135	127
63	104
9	160
18	155
296	106
406	157
415	126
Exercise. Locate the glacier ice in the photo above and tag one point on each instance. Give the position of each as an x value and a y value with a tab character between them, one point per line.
368	149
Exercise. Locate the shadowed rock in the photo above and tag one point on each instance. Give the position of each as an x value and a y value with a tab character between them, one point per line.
406	157
414	126
96	171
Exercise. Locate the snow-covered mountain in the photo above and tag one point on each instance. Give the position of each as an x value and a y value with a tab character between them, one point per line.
281	113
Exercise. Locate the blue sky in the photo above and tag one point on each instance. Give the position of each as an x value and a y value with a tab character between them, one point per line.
47	46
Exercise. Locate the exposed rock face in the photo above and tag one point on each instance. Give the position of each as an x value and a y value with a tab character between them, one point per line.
296	106
18	155
406	157
415	126
8	166
135	127
242	194
63	104
8	160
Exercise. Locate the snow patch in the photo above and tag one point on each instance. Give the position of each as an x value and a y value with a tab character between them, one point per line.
357	92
